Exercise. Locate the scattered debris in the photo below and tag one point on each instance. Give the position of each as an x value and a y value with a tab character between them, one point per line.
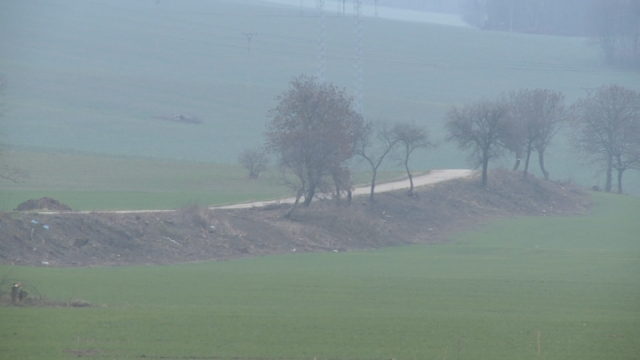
185	119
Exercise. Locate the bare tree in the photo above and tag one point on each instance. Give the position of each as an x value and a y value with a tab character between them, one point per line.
254	160
606	130
535	117
479	128
550	115
410	137
374	143
312	131
517	137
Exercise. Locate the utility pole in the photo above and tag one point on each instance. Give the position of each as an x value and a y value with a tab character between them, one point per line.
321	46
358	67
511	18
157	23
249	36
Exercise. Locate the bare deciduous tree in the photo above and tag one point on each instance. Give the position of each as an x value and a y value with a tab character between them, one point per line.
606	130
479	128
410	137
254	160
550	115
535	117
312	131
374	143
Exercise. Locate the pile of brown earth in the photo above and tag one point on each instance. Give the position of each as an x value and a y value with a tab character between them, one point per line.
199	234
44	203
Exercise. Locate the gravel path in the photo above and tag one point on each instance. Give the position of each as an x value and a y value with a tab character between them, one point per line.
433	177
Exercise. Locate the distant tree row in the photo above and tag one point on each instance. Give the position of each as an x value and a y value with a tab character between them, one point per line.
604	128
561	17
314	132
614	24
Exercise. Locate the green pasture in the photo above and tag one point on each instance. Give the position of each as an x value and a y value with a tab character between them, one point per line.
92	182
485	295
96	76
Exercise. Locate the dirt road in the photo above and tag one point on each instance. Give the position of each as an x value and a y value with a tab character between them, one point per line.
433	177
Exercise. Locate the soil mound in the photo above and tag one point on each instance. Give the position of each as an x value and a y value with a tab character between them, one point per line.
192	234
44	203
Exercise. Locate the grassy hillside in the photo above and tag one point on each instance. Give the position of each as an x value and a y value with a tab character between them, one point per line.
97	76
486	295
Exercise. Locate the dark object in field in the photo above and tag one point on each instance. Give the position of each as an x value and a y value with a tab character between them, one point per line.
44	203
17	293
80	242
180	119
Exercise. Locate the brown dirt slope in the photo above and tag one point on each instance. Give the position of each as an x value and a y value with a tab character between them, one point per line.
198	234
44	203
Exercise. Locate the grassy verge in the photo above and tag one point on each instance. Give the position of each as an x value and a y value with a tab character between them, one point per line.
526	288
89	182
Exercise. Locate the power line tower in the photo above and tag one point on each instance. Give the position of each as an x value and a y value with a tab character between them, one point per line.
249	36
357	7
321	46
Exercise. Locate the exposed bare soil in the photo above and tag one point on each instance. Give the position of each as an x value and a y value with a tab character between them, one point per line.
199	234
44	203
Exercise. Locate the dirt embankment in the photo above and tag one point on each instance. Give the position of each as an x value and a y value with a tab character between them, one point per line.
198	234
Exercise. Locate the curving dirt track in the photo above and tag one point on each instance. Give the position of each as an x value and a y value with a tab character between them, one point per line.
433	177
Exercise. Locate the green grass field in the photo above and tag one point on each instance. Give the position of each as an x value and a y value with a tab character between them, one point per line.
91	76
486	295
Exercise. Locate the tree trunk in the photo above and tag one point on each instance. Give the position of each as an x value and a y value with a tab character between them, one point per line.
411	184
485	166
517	164
541	161
620	181
373	184
526	162
308	197
406	166
295	203
607	187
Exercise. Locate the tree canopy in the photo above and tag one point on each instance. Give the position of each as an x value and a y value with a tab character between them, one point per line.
312	131
606	130
479	128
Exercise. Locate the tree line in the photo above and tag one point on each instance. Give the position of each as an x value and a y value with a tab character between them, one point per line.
613	24
314	132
